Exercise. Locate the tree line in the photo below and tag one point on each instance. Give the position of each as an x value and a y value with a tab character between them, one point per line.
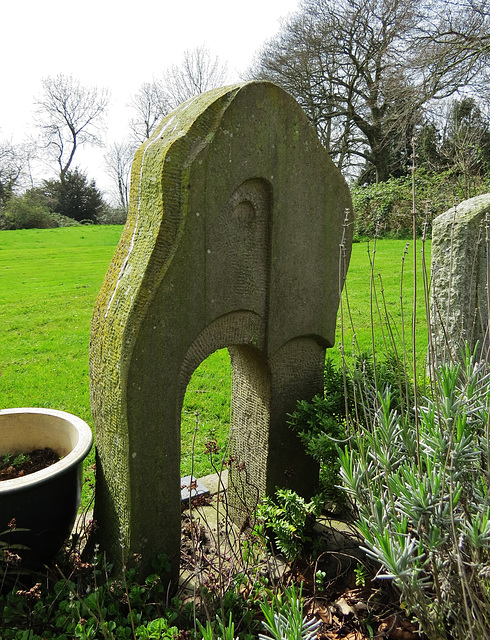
378	77
70	115
384	82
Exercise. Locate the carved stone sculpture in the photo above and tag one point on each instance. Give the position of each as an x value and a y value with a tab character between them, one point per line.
232	240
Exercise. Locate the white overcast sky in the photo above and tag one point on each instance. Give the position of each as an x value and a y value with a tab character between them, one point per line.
118	45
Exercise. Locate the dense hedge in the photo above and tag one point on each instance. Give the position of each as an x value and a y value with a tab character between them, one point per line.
386	208
27	211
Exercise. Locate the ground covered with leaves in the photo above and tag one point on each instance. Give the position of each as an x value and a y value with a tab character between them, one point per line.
339	587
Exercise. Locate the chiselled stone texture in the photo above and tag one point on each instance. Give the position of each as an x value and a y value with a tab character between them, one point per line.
459	302
232	240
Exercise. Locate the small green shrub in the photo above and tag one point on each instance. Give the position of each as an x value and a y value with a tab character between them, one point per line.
64	221
286	520
320	430
27	212
74	196
322	424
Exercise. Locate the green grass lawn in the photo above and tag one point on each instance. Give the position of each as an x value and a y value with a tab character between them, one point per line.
49	280
378	300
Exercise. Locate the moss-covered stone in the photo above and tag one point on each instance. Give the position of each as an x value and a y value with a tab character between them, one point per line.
459	303
232	240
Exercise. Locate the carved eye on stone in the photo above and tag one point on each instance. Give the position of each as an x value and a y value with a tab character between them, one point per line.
244	212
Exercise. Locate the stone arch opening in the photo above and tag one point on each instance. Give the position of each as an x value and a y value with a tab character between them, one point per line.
250	396
207	396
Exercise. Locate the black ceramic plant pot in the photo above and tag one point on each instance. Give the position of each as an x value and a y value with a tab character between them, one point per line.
43	504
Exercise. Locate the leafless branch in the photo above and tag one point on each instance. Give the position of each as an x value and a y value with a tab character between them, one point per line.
69	115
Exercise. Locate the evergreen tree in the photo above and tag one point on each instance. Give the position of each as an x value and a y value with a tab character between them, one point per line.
74	196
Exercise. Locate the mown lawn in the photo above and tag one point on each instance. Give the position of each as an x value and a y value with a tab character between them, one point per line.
49	280
378	300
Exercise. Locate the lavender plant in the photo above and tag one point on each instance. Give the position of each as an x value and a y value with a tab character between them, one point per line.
420	487
284	618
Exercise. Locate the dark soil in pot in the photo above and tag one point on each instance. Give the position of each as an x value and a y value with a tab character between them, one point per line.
21	464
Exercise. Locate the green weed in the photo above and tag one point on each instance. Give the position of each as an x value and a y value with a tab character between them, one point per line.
11	460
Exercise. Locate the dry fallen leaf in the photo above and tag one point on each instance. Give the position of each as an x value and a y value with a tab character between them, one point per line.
344	607
324	614
355	635
398	629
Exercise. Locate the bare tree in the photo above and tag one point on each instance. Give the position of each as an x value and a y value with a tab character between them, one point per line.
198	72
451	46
69	115
363	70
14	168
465	143
151	105
119	158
